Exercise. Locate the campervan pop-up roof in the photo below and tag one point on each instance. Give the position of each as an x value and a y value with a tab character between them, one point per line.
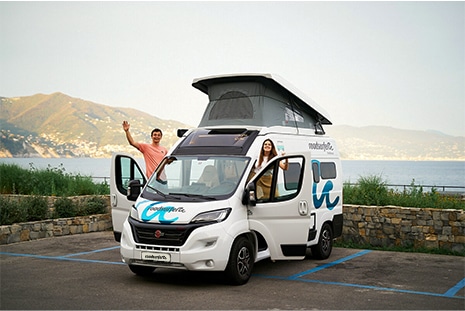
262	100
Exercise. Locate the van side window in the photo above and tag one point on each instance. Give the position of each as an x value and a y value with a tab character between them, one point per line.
316	172
323	170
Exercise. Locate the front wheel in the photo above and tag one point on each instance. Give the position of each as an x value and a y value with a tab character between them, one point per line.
241	260
141	270
325	243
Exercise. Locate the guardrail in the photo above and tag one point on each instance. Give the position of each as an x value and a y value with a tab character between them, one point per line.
101	179
446	190
460	190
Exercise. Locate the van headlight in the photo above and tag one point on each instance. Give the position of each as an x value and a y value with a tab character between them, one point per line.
133	212
212	216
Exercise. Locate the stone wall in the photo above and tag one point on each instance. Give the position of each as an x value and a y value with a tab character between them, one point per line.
34	230
374	225
401	226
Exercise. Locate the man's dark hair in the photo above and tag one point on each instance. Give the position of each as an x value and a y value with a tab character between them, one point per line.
156	130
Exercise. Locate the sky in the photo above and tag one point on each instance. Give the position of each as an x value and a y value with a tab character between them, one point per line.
398	64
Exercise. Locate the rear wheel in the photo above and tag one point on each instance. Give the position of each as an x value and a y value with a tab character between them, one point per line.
141	270
325	243
241	260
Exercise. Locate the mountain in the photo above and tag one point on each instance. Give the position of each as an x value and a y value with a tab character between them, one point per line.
57	125
387	143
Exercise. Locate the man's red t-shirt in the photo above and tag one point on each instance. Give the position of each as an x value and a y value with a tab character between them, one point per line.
152	156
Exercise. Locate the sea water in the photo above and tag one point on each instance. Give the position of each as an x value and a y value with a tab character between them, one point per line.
431	173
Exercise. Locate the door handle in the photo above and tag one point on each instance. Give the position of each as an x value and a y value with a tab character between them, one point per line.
114	200
303	208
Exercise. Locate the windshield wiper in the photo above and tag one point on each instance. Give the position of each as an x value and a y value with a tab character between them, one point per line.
157	191
193	195
164	195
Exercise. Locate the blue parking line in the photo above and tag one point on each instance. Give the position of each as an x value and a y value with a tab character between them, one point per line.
91	252
328	265
451	292
406	291
297	277
62	258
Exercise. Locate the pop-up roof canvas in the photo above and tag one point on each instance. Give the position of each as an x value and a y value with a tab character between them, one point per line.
257	100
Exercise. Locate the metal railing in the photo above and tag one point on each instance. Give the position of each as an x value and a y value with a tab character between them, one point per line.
442	189
452	190
100	179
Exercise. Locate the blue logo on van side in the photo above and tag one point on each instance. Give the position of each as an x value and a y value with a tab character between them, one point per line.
318	201
159	212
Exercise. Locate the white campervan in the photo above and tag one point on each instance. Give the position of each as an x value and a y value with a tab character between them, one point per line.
203	209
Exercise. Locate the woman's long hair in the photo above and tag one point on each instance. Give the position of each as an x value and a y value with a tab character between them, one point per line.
273	152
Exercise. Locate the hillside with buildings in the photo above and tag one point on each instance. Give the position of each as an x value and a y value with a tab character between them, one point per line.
57	125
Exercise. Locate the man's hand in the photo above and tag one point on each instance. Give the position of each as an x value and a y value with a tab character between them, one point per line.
126	126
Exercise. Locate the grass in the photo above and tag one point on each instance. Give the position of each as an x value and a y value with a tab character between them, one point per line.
52	181
373	190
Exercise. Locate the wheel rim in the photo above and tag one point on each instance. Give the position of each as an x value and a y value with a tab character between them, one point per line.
243	261
325	240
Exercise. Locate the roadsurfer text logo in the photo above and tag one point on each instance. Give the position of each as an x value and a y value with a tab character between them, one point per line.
151	211
156	257
324	146
168	209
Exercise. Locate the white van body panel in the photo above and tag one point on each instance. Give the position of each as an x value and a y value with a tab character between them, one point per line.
205	244
120	205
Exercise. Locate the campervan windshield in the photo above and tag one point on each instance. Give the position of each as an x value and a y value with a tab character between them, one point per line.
196	178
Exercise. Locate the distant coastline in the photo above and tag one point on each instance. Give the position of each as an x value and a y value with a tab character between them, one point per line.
342	158
440	173
91	130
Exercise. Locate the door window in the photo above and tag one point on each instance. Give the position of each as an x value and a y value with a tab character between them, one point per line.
127	170
276	184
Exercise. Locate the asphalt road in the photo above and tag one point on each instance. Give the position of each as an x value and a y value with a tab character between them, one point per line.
84	272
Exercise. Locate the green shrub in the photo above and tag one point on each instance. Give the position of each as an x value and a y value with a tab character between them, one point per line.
11	212
94	205
65	208
372	190
36	208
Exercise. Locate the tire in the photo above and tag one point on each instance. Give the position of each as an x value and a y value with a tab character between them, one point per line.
141	270
241	261
323	249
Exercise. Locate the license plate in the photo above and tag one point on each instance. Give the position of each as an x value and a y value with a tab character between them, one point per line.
156	256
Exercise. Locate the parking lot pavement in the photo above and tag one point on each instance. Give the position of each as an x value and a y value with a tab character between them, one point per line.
85	272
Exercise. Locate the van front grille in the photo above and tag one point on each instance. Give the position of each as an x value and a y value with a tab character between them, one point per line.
158	234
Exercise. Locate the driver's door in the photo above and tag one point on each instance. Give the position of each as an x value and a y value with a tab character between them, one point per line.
281	214
124	168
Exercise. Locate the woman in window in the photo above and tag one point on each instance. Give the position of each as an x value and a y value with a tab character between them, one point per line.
267	152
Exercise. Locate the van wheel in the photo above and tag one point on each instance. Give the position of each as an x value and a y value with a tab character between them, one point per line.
325	243
141	270
241	260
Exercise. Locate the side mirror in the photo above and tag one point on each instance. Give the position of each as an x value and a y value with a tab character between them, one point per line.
180	132
134	189
248	197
